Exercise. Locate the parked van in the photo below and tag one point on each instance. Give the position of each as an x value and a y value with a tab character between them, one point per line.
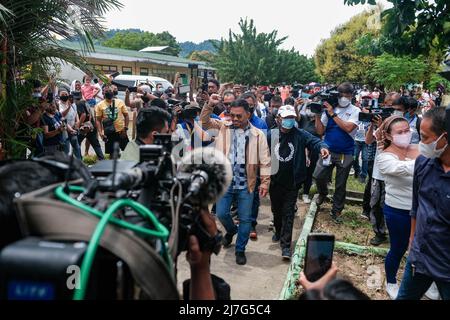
125	81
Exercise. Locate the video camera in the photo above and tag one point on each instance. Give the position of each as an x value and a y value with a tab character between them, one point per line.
384	113
152	208
205	82
296	90
331	96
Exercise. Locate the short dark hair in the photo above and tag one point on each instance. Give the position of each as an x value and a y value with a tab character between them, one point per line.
276	99
346	87
437	117
248	95
158	103
289	101
150	119
217	83
241	103
407	102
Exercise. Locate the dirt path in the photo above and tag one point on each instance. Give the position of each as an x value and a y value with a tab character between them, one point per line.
265	272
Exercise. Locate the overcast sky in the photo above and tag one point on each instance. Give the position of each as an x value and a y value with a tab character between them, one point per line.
305	22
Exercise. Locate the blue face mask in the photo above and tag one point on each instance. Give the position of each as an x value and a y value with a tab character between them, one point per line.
197	119
288	123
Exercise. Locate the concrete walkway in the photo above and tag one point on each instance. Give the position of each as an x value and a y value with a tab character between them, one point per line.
265	272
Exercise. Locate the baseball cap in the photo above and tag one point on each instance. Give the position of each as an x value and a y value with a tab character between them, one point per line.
287	111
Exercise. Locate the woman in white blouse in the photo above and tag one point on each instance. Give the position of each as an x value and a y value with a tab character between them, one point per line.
396	164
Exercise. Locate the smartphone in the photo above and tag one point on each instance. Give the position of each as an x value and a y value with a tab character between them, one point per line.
132	89
319	255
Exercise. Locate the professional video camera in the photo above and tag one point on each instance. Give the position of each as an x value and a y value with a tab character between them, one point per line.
384	113
331	96
296	90
140	215
205	82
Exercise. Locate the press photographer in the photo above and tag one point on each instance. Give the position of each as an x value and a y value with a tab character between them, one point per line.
112	121
149	122
338	124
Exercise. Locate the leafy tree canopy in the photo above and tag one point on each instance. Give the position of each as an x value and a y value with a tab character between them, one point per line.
256	58
133	40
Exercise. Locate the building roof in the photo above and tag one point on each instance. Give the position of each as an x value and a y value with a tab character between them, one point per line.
154	49
107	53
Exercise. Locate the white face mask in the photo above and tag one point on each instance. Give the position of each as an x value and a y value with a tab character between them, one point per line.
430	151
402	140
344	102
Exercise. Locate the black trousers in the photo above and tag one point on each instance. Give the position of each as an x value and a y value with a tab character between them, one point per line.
314	157
283	208
92	138
113	138
368	189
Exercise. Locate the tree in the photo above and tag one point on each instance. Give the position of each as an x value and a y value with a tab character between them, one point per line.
414	26
203	55
255	58
132	40
393	72
188	47
28	36
342	57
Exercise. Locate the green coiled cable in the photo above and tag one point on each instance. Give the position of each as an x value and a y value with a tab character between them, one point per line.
161	231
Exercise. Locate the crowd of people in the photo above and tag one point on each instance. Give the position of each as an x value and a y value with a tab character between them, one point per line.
278	146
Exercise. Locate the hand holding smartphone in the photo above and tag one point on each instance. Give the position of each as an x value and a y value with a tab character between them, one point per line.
319	255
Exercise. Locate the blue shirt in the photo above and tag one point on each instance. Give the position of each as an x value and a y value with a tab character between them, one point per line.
337	139
259	123
430	250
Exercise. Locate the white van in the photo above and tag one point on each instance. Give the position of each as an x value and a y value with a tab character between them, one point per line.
125	81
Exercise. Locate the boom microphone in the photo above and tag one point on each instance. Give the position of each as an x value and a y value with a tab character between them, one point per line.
211	174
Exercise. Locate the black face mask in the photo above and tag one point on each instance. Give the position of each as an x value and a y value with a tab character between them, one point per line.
109	95
116	93
145	99
64	98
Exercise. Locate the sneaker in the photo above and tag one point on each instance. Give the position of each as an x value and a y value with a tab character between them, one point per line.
377	240
227	240
352	172
275	238
286	253
240	258
320	199
336	218
392	290
433	292
306	199
253	234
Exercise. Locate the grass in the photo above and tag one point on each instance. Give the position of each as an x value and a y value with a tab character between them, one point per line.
352	185
92	159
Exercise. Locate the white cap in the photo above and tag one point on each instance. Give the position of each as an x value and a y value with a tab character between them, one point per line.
287	111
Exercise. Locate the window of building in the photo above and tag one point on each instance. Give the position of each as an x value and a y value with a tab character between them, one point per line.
144	71
105	68
127	70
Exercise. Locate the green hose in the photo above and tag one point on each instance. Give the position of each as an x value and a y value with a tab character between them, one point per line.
161	231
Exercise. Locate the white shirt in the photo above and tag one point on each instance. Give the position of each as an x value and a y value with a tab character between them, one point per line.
100	92
398	180
349	114
71	116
